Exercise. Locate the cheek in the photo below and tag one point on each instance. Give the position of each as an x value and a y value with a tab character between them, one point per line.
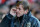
21	12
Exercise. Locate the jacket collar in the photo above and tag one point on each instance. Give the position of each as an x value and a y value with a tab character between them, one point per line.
27	15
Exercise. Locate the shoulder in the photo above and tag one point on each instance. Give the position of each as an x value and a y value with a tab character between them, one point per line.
34	18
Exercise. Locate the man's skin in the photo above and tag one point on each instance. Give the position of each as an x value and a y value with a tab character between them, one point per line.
13	11
19	11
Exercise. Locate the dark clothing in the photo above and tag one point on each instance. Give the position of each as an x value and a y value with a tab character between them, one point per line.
27	20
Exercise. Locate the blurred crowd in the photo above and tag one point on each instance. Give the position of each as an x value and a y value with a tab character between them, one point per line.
34	6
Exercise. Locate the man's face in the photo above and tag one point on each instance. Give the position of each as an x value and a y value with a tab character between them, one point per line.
20	11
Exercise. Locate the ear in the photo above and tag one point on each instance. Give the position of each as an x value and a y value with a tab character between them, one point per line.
26	11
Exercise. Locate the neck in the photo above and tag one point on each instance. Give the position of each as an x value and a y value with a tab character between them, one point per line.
20	18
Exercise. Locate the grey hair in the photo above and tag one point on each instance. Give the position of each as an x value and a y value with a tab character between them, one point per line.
25	5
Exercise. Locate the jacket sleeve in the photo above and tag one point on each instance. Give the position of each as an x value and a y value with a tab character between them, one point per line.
36	23
6	21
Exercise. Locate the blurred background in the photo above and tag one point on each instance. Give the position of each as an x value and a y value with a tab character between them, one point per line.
34	6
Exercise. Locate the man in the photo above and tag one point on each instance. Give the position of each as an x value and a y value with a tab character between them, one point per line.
20	16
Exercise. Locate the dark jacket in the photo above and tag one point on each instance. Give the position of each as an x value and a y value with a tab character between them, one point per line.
27	21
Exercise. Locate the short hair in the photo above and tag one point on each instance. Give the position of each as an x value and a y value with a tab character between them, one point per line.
25	4
11	6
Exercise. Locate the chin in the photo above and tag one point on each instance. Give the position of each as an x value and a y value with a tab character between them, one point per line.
18	16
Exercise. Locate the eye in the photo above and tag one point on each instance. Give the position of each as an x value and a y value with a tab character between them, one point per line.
14	10
19	9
